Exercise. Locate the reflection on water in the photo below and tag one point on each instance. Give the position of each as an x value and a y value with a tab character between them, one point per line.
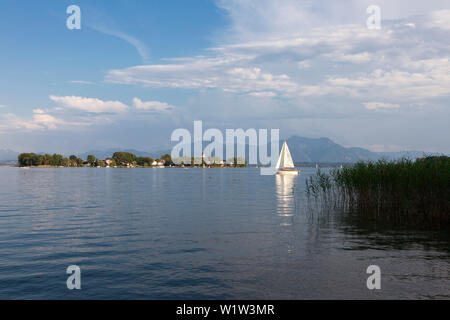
285	187
285	191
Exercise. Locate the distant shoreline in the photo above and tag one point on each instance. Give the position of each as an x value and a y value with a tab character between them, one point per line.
311	165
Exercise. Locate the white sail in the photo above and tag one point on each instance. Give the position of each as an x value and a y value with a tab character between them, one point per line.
285	159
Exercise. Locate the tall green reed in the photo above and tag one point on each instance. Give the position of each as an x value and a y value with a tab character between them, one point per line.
403	192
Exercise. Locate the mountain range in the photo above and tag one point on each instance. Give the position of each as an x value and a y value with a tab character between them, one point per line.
8	156
303	150
324	150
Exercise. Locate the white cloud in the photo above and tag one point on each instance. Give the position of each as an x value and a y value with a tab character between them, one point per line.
400	61
263	19
10	121
305	64
60	118
432	81
99	112
82	82
362	57
203	72
152	106
40	121
265	94
93	105
380	105
140	47
439	19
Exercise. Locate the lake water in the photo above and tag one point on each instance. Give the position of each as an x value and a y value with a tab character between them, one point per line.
198	234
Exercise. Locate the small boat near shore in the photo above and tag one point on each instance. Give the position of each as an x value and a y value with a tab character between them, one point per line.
285	165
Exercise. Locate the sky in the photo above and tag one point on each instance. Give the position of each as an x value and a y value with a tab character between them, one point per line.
137	70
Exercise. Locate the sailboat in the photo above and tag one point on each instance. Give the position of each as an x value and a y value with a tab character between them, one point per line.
285	165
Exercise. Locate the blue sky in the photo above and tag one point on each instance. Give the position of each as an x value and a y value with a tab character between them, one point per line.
138	70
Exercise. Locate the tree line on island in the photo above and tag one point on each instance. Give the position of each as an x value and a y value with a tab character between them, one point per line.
119	159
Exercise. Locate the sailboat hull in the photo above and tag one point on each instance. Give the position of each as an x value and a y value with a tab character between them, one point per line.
288	171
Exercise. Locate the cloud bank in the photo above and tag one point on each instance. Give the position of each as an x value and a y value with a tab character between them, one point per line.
66	115
405	60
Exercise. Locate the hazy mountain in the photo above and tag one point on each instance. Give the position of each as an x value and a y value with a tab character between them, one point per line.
315	150
407	154
8	155
108	153
325	150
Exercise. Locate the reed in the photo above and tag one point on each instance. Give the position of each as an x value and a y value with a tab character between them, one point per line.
403	192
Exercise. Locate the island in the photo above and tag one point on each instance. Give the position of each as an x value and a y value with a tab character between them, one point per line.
125	160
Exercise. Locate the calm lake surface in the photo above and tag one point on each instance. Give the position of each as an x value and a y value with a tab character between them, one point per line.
198	234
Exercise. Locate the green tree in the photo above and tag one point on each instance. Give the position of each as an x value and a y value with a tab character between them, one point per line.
100	163
66	162
74	161
167	158
25	159
57	159
37	159
91	159
48	160
32	159
144	161
124	158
